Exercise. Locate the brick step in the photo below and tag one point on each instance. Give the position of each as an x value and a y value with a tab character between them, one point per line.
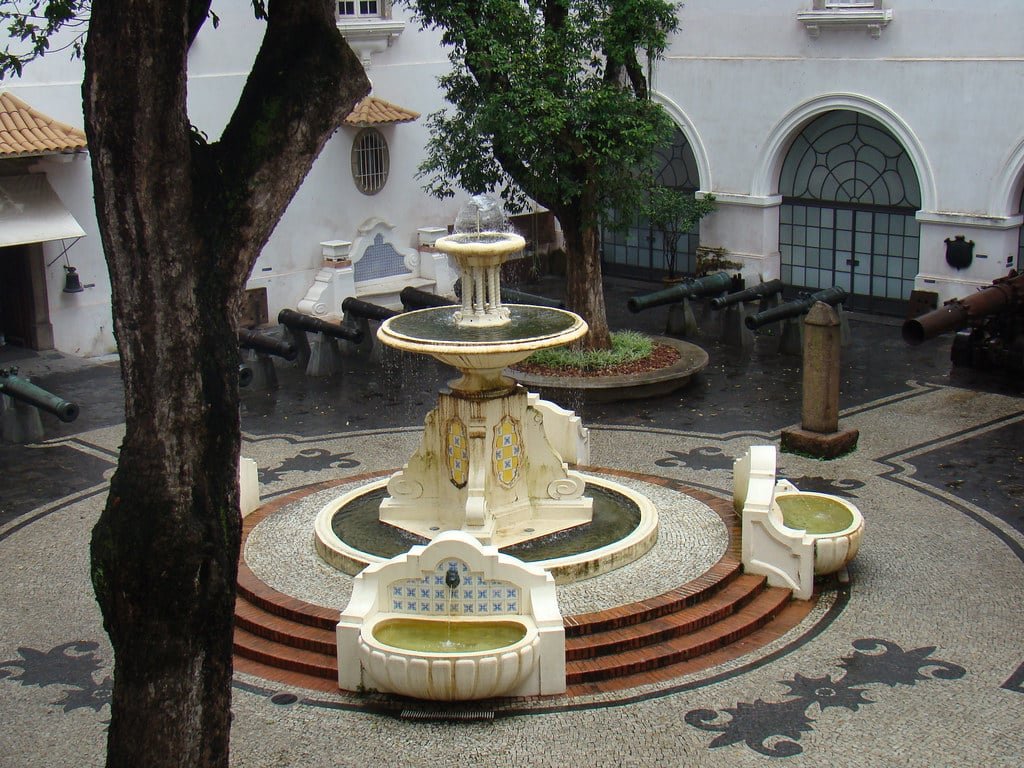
270	626
254	591
758	612
693	592
720	604
285	657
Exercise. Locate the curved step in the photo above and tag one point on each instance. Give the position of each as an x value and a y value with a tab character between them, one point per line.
285	657
715	607
279	629
761	610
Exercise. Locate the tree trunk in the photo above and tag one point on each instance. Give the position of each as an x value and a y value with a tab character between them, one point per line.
182	222
584	281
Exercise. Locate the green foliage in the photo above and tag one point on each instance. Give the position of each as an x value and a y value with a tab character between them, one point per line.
32	24
674	213
627	346
548	100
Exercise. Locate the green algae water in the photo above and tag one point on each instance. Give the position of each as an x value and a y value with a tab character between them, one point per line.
814	514
437	324
428	636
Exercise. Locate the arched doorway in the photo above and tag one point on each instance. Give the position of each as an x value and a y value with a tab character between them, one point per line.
1020	238
849	195
639	251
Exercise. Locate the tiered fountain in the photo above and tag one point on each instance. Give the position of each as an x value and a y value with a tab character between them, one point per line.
485	468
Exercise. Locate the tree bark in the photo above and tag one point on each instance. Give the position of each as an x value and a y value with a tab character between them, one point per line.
182	223
583	277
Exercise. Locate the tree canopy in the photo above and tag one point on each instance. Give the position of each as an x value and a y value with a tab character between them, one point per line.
549	100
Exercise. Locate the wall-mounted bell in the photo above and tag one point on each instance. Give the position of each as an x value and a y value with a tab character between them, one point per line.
72	282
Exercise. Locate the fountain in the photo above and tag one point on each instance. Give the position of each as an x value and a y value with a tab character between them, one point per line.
486	464
485	476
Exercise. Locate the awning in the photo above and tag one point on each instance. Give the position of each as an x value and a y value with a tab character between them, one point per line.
374	111
31	212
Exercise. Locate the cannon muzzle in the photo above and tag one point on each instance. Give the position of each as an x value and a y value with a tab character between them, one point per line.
353	307
702	286
22	389
303	322
414	298
261	342
759	291
795	308
956	314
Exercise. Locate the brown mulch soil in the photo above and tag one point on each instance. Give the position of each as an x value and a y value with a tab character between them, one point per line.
661	356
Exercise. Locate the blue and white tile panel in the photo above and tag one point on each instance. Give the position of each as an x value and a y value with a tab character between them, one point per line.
474	596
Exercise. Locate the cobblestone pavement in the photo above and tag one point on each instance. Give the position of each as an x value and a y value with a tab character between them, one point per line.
918	663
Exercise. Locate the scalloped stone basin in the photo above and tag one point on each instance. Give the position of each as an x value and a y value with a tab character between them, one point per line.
473	665
834	524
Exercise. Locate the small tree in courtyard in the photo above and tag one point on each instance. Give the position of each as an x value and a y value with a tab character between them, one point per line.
549	99
182	221
675	213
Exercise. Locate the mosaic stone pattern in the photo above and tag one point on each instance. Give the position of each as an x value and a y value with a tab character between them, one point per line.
508	451
474	596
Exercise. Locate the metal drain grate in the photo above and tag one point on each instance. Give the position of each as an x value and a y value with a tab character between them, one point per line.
446	714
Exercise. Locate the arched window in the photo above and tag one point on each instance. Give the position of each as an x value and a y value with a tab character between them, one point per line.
639	250
850	193
370	161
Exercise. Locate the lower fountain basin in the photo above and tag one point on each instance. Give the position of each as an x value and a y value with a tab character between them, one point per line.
833	524
359	543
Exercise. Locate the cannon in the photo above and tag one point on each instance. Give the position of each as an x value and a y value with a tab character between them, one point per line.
692	289
759	291
989	326
266	345
322	358
23	390
245	375
414	298
795	308
359	313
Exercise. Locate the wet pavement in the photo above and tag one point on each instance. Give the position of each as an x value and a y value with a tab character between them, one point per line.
928	635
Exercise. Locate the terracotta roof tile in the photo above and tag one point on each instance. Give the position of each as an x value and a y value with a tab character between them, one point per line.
26	131
374	111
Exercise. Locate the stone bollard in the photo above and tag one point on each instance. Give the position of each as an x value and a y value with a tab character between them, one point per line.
820	435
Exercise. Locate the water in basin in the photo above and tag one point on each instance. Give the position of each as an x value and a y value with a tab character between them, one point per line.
615	517
525	322
814	514
440	636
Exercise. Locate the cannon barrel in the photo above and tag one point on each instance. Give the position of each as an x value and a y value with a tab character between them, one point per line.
245	375
303	322
702	286
959	313
759	291
513	296
414	298
359	308
795	308
19	388
261	342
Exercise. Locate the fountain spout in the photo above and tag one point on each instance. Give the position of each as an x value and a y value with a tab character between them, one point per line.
451	578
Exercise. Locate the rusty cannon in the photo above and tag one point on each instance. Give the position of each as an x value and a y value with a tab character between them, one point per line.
791	313
680	320
760	291
989	326
322	357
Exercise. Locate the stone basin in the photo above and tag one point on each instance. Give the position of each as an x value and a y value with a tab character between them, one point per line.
448	674
834	525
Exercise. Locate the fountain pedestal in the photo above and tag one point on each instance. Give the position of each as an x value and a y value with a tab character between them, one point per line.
485	466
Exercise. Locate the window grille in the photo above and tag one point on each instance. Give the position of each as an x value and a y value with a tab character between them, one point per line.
358	8
370	161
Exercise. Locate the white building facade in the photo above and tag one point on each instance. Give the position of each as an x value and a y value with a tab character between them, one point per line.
845	141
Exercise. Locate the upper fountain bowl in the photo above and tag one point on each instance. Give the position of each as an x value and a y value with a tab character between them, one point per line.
482	337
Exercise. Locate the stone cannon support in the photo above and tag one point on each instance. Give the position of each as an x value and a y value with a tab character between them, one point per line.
820	435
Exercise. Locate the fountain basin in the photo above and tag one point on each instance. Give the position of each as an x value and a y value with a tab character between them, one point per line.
437	673
832	524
